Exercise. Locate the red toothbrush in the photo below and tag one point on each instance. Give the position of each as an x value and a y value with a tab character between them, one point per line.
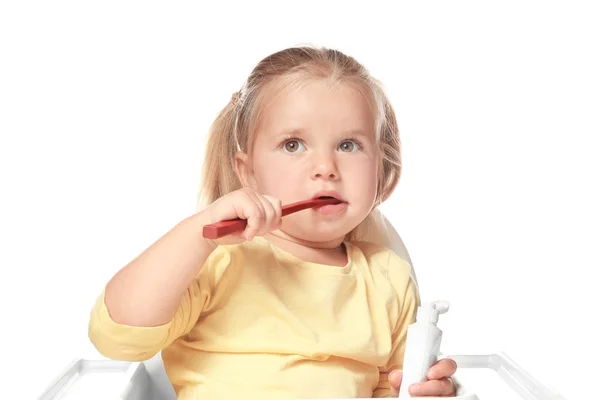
224	228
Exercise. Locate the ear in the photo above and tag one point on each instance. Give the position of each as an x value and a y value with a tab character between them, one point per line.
243	170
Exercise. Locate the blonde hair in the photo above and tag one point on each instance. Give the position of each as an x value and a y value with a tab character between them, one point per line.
234	128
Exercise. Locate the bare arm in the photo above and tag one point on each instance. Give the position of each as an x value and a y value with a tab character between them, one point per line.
148	291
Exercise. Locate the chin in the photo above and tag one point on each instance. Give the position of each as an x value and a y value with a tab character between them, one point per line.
318	234
317	228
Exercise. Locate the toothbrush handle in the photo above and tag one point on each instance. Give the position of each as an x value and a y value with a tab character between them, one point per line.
227	227
223	228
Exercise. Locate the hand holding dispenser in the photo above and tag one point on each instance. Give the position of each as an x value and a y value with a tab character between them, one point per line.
422	345
423	348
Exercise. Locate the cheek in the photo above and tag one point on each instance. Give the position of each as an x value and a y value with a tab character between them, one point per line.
362	174
278	176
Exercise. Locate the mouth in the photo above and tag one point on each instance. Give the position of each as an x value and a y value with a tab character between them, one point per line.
337	206
329	196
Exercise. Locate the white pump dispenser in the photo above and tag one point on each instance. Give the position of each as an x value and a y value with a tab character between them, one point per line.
422	345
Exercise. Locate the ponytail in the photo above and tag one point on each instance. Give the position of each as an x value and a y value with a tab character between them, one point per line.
218	172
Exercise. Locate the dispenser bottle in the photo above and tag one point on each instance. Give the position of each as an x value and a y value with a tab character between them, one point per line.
422	345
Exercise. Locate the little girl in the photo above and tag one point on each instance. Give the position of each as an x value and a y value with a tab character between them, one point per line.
293	307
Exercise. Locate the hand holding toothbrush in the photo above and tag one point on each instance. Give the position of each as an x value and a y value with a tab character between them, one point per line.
438	381
245	213
241	215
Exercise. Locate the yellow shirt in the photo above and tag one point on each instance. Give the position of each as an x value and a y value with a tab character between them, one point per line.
258	322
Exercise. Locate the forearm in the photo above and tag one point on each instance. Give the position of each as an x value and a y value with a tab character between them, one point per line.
148	291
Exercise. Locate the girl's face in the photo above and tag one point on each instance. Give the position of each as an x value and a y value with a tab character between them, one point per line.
315	141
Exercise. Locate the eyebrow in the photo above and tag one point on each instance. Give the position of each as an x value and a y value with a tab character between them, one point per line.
358	132
290	132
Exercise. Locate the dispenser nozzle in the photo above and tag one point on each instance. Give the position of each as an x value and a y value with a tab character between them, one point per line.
429	312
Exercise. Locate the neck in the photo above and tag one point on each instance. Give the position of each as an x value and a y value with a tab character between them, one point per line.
280	236
330	252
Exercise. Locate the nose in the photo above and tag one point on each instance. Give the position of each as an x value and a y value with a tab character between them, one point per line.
325	167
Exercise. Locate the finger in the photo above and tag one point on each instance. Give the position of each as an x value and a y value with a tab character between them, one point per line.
252	210
395	379
270	216
276	204
438	387
444	368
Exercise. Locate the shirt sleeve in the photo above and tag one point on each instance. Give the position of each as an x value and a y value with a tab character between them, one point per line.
138	343
399	273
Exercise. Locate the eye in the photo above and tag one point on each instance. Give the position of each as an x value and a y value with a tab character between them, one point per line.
292	146
349	146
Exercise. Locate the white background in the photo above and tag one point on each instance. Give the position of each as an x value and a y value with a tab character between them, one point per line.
104	108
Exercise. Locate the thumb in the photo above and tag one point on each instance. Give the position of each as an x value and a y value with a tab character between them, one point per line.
395	379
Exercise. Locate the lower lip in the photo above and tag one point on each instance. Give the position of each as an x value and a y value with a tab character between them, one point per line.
331	209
